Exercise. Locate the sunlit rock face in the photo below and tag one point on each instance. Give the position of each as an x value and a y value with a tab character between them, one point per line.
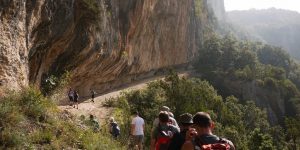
103	43
13	45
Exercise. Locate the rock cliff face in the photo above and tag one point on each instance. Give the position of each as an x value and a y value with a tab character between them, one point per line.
103	43
218	8
13	46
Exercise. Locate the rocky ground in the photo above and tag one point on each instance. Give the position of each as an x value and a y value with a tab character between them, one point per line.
103	113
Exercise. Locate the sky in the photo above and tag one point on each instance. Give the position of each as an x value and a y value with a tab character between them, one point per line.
262	4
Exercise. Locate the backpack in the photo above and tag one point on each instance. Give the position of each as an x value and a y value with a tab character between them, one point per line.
221	145
164	138
217	146
76	96
115	129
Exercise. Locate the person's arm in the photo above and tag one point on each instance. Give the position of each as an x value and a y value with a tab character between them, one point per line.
152	146
188	145
132	129
143	125
155	124
153	139
110	128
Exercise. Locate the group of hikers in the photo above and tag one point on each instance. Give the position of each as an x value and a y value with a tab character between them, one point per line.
192	132
113	126
74	97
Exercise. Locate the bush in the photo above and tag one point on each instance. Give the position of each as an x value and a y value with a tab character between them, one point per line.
110	102
31	121
233	120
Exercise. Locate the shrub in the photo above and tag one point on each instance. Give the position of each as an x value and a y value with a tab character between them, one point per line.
110	102
31	121
92	5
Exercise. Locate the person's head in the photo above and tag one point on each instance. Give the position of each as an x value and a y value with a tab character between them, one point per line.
185	120
165	108
111	119
163	117
91	116
203	123
135	113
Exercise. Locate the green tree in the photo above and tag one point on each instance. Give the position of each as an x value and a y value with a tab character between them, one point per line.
260	141
293	131
210	54
274	56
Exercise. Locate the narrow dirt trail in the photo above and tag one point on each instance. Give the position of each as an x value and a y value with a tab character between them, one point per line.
102	113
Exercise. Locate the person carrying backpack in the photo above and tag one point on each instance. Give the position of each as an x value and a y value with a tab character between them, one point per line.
114	129
94	123
71	96
185	122
163	133
76	97
171	118
200	137
93	93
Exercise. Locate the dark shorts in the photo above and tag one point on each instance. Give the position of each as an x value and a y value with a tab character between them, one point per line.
71	98
93	96
76	100
138	139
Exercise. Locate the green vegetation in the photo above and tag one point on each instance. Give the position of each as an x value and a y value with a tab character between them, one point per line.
92	5
233	66
245	124
53	84
254	71
198	7
31	121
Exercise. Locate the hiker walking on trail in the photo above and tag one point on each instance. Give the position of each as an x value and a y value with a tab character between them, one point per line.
114	129
162	134
137	130
171	118
94	123
201	136
76	97
185	122
93	93
71	96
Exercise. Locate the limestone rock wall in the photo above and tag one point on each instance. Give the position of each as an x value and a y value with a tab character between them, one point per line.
13	45
103	43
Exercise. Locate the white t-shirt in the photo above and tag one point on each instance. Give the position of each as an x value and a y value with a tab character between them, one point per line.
139	123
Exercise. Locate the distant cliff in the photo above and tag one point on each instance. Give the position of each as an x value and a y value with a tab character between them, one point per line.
102	43
218	8
273	26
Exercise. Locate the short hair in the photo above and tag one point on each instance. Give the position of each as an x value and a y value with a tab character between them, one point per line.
112	119
163	117
91	116
136	113
165	108
202	119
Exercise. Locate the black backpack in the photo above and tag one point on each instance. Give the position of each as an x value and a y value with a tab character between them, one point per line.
163	139
115	129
